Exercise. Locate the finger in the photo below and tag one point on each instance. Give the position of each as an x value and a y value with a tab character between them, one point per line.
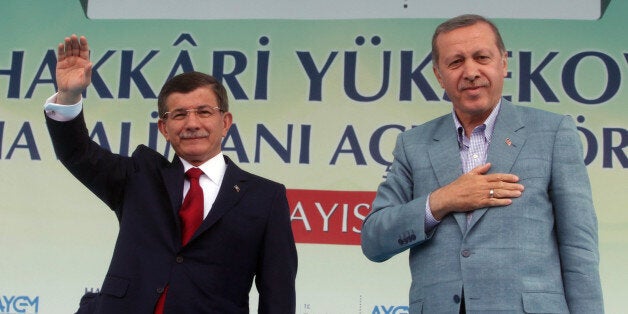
506	186
495	202
502	177
61	51
84	47
499	198
510	186
88	72
72	46
502	194
67	47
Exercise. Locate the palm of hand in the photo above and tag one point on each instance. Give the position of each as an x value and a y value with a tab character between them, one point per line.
71	74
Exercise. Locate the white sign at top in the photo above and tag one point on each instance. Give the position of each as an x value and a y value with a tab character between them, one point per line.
342	9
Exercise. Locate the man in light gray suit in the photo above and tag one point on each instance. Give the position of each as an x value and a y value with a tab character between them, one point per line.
493	201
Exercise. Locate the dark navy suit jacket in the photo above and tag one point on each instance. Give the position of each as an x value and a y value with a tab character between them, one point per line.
245	238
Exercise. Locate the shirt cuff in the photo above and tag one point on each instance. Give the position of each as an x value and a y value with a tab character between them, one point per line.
430	221
62	113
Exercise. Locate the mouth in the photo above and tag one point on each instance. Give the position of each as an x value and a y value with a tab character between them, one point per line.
472	87
191	139
473	91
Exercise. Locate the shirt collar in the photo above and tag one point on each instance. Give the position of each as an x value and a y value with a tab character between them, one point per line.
214	168
489	124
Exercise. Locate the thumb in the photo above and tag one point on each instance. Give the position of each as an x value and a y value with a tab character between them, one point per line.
88	72
481	169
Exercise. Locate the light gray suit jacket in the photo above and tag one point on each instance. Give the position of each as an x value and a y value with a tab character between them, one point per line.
537	255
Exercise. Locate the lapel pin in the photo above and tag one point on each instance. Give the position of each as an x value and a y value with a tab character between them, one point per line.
508	142
236	188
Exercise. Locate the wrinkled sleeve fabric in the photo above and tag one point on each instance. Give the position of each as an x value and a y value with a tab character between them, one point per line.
576	222
397	219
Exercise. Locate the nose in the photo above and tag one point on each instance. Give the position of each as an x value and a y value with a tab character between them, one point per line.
470	71
192	121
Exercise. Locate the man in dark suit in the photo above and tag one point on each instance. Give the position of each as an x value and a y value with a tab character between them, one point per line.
242	233
479	242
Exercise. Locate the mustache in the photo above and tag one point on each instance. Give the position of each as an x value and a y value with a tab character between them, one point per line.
193	134
473	84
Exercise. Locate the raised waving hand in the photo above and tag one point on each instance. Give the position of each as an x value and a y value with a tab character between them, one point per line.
74	70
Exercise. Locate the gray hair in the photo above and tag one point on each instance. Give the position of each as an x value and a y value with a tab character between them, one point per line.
460	22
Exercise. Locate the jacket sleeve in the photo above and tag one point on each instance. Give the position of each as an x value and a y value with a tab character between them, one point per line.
277	266
100	170
397	219
576	222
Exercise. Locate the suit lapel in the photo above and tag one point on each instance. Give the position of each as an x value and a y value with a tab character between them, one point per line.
232	189
444	154
507	140
173	177
506	143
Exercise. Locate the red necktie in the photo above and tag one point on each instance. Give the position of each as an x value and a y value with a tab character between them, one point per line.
191	214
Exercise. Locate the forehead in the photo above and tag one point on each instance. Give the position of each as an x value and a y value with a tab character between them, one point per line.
201	96
479	36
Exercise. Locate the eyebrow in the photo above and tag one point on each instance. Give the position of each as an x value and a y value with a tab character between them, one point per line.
197	107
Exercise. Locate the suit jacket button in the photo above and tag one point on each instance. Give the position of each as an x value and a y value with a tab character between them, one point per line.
466	253
456	298
160	290
179	259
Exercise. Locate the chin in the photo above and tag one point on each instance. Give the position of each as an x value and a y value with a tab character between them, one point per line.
479	104
194	155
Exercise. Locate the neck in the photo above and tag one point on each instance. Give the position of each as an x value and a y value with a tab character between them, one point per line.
469	123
